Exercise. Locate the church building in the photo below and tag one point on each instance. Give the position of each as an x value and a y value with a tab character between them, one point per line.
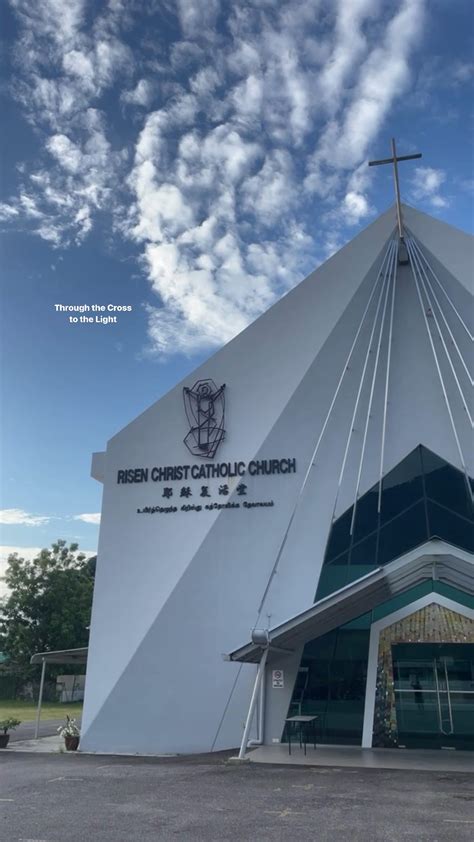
289	531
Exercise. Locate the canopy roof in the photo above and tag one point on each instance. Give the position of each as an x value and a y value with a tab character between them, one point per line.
61	656
433	560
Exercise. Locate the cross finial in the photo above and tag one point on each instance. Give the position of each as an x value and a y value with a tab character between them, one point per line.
394	160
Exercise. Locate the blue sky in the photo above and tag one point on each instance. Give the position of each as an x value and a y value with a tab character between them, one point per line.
193	160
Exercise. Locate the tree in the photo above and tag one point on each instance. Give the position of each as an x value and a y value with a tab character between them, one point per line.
48	605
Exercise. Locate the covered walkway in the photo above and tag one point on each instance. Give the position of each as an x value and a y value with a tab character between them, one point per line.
58	656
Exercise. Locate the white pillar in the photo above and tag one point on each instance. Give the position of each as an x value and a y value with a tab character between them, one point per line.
253	701
40	698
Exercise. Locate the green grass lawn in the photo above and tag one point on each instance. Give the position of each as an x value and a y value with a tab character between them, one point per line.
26	711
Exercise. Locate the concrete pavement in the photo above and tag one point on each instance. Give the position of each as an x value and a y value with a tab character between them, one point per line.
369	758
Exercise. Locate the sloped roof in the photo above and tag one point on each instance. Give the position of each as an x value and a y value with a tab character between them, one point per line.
61	656
434	560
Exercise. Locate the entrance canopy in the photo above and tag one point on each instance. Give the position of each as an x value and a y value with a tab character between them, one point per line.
434	560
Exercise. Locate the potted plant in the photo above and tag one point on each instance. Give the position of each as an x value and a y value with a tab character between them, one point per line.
7	725
70	732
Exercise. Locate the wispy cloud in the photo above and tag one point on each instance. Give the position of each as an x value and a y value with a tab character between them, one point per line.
20	517
426	185
229	116
64	66
91	517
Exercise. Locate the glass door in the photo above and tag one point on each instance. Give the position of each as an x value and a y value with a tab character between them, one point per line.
434	694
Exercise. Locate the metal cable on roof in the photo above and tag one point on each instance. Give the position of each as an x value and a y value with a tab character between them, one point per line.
387	380
440	375
381	274
418	251
471	337
361	384
435	319
392	276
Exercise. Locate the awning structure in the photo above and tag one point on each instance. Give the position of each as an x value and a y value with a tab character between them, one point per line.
61	656
58	656
434	560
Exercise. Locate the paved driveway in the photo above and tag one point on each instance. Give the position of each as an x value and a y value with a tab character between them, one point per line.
50	798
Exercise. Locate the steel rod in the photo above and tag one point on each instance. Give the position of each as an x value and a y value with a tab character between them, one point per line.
435	319
443	388
359	392
471	337
380	275
248	723
40	698
387	378
418	252
372	390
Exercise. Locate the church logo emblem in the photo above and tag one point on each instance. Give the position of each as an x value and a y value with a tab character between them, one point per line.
205	408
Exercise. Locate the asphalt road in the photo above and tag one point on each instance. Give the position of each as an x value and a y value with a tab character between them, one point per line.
48	727
50	798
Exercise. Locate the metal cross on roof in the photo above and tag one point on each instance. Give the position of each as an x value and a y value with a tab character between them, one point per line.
394	160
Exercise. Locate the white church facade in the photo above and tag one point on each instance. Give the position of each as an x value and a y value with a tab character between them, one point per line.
299	510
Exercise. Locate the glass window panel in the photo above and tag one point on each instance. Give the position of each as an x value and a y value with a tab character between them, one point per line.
335	689
320	649
352	643
339	537
402	534
454	593
366	519
401	600
362	622
449	526
333	576
445	484
402	486
365	552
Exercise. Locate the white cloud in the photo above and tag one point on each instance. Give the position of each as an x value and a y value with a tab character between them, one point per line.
28	553
64	66
349	46
66	152
196	17
160	208
355	207
463	71
383	76
91	517
15	517
426	185
7	211
250	102
141	94
271	192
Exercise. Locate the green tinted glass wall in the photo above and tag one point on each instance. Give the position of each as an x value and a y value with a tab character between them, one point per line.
333	671
423	497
